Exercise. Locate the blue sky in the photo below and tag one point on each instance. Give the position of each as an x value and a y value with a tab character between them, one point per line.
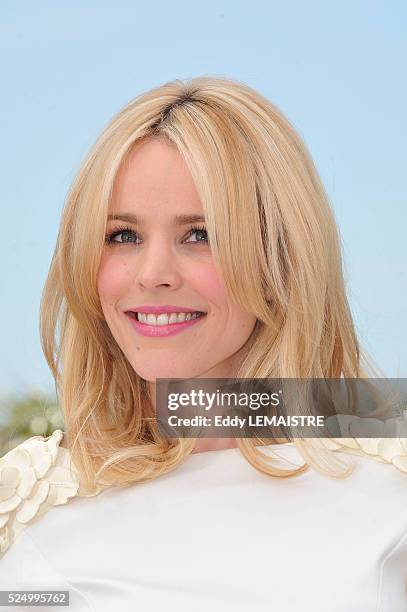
336	69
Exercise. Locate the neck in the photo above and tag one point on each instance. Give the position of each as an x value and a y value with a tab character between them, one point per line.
207	444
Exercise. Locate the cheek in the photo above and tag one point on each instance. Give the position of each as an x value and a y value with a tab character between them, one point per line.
112	279
240	322
208	283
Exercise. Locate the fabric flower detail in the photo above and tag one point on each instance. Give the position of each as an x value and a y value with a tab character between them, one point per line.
388	446
34	476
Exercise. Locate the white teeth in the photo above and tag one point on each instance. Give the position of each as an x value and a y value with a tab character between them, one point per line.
166	318
161	319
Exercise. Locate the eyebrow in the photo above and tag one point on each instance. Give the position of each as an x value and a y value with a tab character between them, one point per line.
177	220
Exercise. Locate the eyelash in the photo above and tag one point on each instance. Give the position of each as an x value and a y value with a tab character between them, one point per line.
109	238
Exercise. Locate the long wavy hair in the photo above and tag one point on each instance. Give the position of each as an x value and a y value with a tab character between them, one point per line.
256	181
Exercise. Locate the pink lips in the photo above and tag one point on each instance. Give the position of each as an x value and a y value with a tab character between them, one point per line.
162	330
154	309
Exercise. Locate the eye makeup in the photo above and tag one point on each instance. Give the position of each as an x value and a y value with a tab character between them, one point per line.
110	236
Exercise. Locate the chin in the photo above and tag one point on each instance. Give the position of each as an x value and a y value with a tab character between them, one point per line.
151	374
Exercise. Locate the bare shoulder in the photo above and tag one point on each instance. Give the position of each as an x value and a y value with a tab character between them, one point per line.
34	476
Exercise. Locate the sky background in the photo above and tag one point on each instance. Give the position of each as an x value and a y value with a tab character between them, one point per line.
336	70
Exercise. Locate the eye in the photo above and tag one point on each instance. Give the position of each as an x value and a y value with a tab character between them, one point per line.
129	236
126	234
201	232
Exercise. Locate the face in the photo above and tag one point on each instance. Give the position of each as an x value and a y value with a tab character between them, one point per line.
157	260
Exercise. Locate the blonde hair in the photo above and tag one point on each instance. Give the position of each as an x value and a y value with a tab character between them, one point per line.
272	232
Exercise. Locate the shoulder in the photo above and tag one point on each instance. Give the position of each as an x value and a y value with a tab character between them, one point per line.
34	476
392	450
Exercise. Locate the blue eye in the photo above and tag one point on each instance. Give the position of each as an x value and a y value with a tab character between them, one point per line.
199	230
129	236
110	238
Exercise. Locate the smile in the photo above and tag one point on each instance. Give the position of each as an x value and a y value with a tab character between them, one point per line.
165	324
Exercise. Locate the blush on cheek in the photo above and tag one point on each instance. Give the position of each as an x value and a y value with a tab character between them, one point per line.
210	284
113	280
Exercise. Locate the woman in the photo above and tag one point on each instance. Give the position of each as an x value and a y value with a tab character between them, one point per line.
199	198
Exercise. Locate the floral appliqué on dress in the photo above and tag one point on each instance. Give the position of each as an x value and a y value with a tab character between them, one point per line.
39	473
34	476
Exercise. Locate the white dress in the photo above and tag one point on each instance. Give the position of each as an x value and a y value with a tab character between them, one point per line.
214	535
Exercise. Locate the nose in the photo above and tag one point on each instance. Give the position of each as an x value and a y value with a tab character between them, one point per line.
157	266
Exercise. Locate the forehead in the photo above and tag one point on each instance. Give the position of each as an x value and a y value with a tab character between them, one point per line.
154	178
